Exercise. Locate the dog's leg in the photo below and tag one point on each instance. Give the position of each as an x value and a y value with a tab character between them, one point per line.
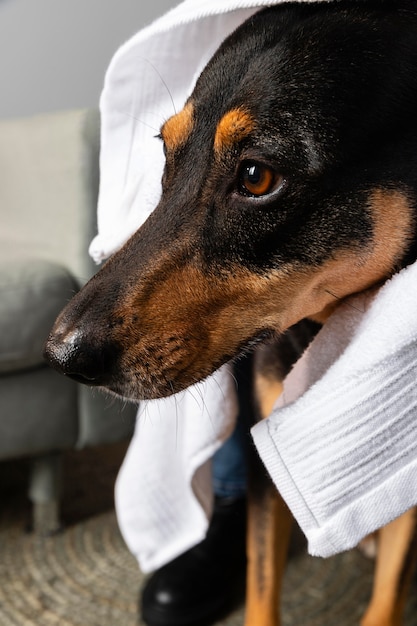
269	530
396	559
269	519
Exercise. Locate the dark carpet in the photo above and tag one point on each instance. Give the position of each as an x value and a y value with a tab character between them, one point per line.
85	576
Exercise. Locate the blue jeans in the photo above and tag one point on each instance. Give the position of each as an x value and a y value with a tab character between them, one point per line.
229	466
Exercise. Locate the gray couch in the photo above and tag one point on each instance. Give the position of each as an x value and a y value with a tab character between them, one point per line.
48	194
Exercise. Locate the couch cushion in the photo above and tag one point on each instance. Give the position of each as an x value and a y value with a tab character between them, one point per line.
32	293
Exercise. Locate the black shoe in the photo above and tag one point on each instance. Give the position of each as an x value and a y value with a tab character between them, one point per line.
203	584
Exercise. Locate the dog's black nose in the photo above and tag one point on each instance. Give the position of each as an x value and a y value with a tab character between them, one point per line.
76	356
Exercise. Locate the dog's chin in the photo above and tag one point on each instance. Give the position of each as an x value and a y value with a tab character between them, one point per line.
144	384
136	391
137	386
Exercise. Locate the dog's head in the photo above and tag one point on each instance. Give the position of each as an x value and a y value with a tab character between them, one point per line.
290	183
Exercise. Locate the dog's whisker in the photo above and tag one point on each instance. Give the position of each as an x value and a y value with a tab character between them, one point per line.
177	422
176	425
196	390
161	78
220	388
352	306
233	378
143	412
140	121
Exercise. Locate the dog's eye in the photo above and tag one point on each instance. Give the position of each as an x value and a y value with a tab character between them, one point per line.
256	179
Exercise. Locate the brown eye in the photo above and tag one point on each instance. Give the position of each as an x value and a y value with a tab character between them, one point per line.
256	179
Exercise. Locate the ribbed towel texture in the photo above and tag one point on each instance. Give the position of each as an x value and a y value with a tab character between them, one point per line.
340	444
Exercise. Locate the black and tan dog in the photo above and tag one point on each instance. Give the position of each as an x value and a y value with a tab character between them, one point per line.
290	183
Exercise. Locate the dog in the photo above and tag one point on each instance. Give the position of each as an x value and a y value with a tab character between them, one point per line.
290	183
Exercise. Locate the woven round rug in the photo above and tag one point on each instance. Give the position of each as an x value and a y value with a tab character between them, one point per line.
85	576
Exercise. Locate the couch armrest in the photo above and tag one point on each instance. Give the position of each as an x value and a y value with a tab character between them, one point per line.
49	172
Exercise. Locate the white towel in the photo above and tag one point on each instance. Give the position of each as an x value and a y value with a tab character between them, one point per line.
163	491
339	446
149	78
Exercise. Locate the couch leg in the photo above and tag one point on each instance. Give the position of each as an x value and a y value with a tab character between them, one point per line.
45	493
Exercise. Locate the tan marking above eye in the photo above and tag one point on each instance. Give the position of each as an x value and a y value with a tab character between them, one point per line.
177	128
234	126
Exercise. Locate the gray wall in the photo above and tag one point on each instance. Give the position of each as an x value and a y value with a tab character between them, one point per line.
54	53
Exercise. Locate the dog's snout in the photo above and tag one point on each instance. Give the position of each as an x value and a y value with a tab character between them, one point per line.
76	356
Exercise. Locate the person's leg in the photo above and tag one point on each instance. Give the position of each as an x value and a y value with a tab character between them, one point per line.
203	583
229	464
